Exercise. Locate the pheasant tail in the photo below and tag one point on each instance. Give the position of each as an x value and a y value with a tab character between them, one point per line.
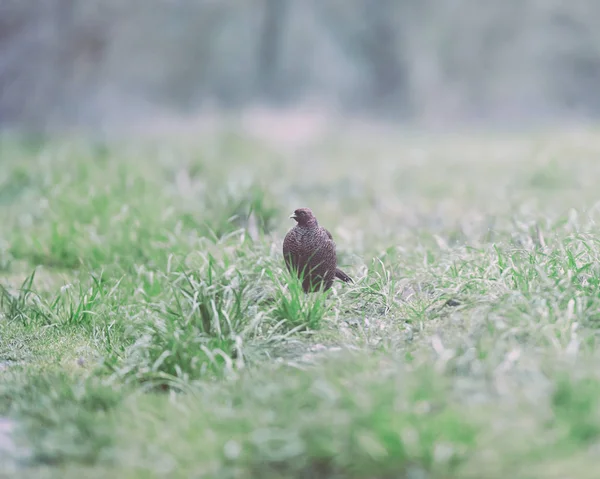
343	276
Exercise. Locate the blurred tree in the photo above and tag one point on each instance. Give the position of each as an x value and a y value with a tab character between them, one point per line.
270	46
576	59
50	57
384	54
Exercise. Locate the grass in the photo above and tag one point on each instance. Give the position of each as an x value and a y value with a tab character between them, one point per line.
149	328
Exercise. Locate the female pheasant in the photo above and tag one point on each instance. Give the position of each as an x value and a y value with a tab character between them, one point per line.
309	252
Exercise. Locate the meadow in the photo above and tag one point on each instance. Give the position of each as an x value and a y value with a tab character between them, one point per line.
149	328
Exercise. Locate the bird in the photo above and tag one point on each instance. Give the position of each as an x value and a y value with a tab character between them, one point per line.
309	252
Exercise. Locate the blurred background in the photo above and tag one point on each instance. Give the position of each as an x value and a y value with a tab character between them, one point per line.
97	63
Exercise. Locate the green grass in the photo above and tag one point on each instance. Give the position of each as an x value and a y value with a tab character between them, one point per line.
149	328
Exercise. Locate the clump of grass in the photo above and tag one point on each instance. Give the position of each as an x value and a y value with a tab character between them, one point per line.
576	409
6	258
13	183
237	206
380	291
24	305
82	304
63	419
195	331
551	176
293	309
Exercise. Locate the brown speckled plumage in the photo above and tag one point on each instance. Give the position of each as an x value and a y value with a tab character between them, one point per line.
309	250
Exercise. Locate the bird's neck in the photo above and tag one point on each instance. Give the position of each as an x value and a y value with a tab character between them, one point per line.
309	224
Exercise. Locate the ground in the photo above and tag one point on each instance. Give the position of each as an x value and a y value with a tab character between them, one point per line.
148	327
